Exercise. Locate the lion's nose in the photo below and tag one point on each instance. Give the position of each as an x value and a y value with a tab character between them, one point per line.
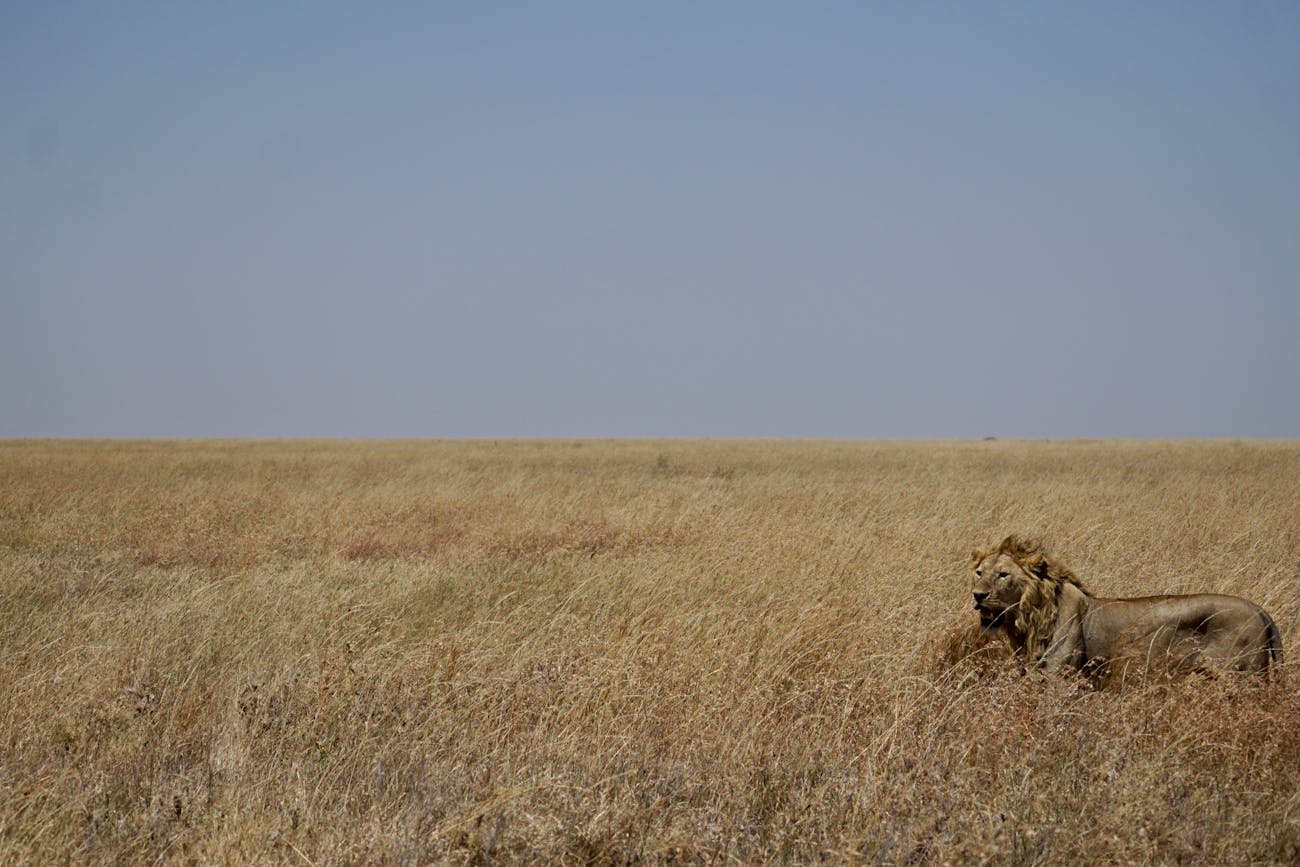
979	598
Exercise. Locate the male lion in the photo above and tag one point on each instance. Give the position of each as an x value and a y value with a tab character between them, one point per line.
1044	612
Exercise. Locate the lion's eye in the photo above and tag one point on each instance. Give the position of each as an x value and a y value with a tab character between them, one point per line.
979	573
1002	576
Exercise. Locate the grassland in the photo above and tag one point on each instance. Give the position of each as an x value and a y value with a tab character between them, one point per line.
620	652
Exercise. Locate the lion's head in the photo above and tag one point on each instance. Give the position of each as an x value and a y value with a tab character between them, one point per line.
1016	585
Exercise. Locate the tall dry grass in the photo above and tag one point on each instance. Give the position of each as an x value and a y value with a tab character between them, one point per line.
617	652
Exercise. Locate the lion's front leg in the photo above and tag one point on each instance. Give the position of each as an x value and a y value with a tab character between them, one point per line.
1066	649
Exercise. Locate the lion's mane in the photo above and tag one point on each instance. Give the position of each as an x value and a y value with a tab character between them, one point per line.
1036	613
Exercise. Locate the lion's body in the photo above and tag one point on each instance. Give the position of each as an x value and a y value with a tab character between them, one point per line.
1171	632
1044	612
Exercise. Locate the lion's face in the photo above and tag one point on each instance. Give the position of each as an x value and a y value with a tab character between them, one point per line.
997	584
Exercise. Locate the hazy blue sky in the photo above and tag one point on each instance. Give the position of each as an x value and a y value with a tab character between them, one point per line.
645	219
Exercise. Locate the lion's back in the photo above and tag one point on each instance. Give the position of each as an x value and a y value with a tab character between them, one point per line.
1191	631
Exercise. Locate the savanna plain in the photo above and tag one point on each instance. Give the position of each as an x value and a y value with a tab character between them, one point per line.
603	652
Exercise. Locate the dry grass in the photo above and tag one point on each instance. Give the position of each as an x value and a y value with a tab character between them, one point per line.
616	652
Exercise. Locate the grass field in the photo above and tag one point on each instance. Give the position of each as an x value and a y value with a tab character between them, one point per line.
620	652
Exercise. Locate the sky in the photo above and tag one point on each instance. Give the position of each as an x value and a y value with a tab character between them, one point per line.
669	219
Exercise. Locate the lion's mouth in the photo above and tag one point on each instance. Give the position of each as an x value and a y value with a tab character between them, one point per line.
990	618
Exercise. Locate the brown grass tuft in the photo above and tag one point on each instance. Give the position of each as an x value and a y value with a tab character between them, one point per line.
958	648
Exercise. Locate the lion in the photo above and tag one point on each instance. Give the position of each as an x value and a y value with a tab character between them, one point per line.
1049	619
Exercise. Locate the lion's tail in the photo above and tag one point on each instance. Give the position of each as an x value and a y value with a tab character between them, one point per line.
1274	638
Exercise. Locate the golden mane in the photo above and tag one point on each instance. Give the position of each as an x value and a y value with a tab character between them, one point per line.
1036	614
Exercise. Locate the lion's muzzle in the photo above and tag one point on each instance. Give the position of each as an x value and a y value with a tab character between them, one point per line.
989	617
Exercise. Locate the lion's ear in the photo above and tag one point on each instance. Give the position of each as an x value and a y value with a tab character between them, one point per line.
976	556
1037	566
